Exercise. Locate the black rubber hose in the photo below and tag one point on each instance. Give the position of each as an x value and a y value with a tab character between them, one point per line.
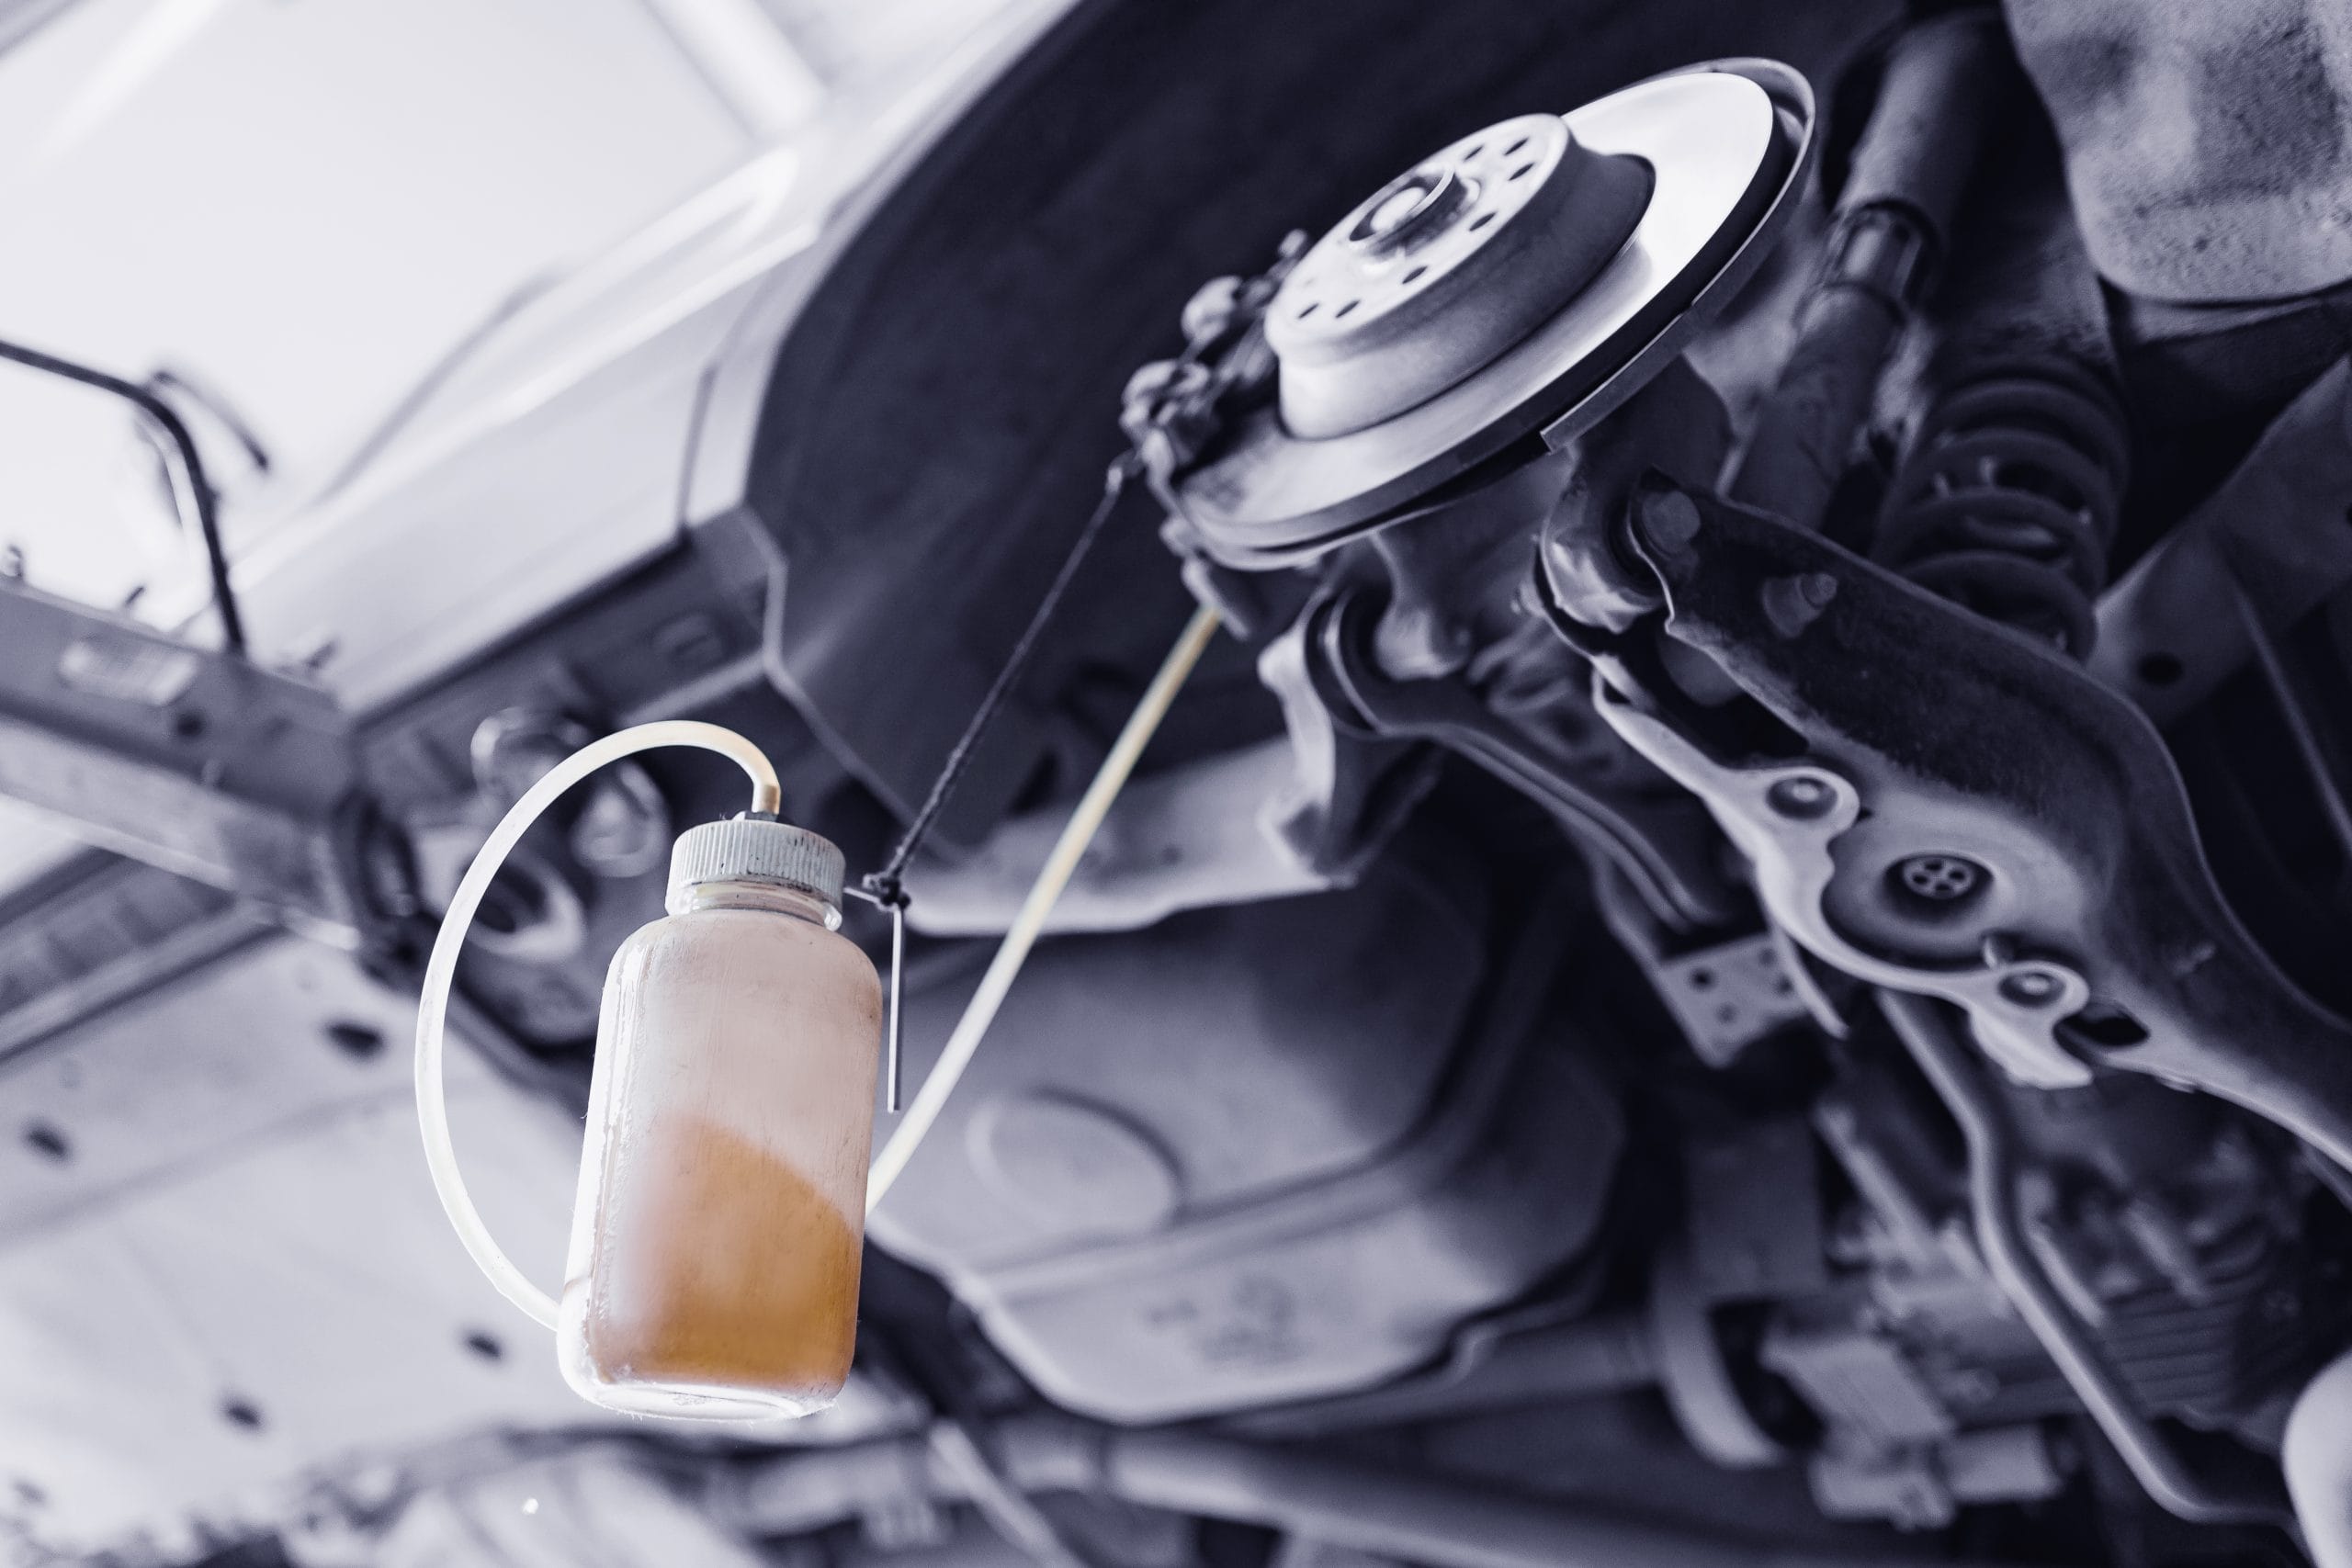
174	429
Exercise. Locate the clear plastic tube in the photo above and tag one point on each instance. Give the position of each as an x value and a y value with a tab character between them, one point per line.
441	969
1014	951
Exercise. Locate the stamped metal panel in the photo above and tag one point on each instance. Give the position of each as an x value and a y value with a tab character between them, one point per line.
221	1264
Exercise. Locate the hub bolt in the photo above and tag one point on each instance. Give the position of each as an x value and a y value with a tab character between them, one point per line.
1941	878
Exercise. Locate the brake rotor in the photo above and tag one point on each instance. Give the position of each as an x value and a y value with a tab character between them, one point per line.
1526	281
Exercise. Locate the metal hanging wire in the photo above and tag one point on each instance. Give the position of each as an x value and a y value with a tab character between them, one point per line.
1170	410
885	889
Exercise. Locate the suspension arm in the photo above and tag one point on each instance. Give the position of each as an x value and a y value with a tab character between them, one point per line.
2070	911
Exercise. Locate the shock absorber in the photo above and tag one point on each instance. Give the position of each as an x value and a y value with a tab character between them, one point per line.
2008	500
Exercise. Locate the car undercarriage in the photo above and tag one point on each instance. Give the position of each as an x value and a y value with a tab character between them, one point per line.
1733	953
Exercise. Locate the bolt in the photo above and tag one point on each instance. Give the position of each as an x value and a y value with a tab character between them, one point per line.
2030	988
1410	211
1793	604
1211	308
1802	796
1400	204
1668	520
1939	878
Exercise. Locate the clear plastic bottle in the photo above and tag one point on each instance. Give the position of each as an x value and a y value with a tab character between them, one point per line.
715	1240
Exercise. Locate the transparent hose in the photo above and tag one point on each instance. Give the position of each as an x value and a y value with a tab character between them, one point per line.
440	970
980	1012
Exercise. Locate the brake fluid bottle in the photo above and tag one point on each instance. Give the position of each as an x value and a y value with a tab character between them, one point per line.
715	1245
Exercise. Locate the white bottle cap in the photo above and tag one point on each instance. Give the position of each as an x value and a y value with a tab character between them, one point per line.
753	848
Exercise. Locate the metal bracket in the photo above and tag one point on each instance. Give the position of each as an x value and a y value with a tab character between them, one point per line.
196	761
1786	822
1727	997
1908	729
1648	841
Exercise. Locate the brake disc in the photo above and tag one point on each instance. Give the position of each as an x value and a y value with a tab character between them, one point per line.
1519	284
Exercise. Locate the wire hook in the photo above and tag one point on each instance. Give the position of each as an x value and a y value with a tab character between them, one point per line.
883	893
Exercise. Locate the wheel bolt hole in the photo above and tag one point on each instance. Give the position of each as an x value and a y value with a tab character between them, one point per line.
360	1042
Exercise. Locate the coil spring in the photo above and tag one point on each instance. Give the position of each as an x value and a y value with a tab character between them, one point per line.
2008	501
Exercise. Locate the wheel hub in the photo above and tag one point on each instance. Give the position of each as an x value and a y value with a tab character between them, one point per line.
1441	270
